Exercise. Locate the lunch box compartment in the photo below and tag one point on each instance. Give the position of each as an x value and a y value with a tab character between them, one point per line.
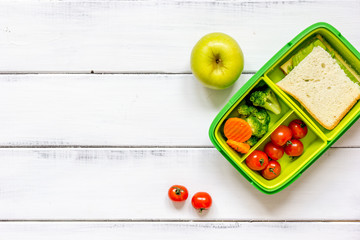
274	122
275	74
290	167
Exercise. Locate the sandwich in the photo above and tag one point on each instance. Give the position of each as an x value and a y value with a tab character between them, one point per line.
321	84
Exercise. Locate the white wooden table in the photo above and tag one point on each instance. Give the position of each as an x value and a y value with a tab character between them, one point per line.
100	115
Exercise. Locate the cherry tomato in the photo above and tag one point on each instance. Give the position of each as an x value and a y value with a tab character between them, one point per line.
294	148
281	135
272	170
257	160
178	193
273	151
298	128
201	201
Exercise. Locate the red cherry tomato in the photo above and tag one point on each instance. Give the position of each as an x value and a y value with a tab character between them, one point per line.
281	135
274	151
272	170
298	128
178	193
257	160
294	148
201	201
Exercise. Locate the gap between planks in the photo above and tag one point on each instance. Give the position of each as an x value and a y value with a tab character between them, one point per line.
120	146
182	221
102	72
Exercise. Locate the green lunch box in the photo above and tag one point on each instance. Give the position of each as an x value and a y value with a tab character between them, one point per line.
317	140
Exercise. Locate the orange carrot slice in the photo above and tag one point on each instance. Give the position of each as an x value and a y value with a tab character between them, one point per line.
237	129
238	146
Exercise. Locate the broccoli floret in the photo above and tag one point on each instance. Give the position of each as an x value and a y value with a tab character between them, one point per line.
267	100
263	116
258	119
256	126
264	130
246	110
252	141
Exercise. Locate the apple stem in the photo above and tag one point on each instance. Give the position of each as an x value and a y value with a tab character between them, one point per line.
218	60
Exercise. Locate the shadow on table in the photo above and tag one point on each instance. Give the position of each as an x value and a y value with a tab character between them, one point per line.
217	98
178	205
275	202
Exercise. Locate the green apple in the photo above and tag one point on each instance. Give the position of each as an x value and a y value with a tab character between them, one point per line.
217	60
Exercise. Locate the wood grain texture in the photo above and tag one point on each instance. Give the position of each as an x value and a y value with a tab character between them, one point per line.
113	110
132	184
153	36
236	230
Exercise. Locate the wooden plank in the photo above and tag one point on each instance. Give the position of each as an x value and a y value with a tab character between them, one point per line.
188	230
132	184
113	110
153	36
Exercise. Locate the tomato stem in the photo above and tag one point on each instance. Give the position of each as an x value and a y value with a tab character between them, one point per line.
272	170
178	190
261	161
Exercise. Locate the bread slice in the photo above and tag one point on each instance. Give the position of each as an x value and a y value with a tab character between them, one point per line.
322	88
320	41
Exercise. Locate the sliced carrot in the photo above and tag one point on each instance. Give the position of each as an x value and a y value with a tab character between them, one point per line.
238	146
237	129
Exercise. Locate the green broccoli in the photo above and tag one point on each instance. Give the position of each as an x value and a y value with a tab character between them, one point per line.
267	100
256	126
263	116
264	129
246	110
258	119
252	141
